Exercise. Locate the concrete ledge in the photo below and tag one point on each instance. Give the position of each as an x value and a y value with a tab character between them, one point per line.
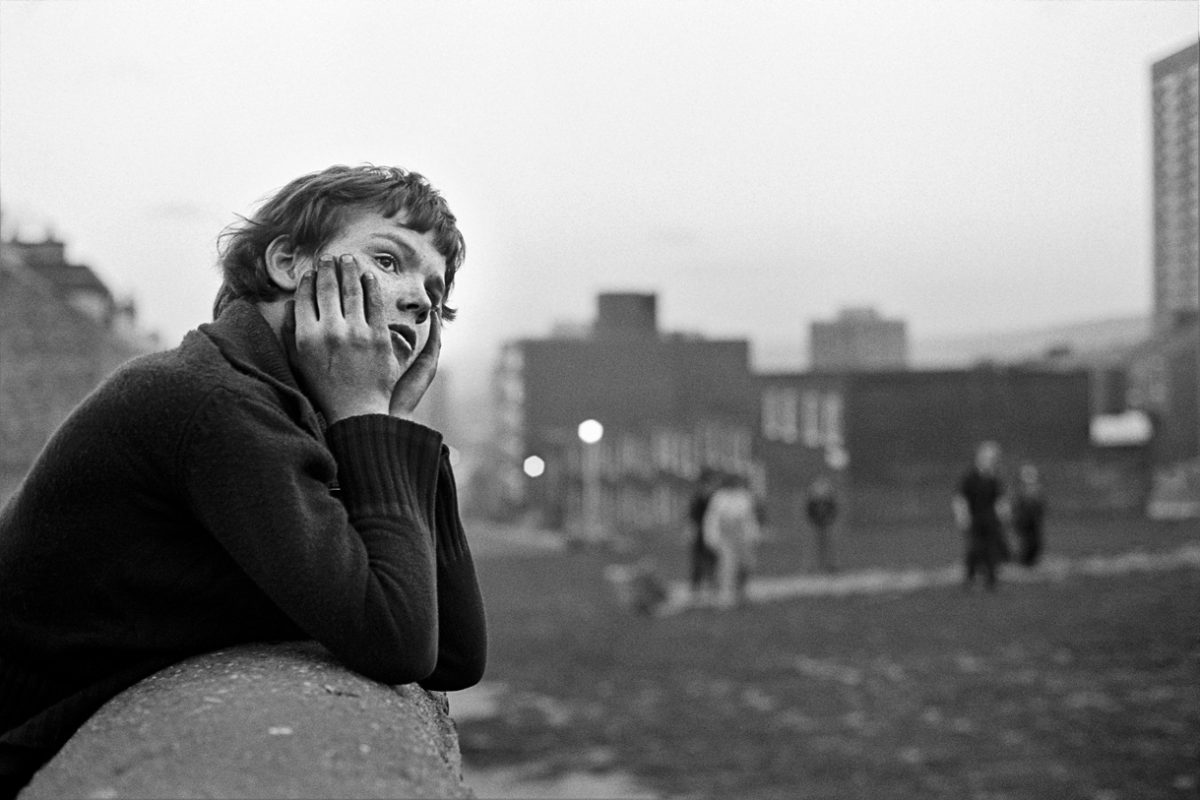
261	721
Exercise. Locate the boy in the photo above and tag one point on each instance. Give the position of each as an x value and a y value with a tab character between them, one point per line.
979	509
264	480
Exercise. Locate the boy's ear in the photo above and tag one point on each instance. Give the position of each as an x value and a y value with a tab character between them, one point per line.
283	263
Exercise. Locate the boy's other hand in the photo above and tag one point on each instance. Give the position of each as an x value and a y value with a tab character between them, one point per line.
416	379
339	342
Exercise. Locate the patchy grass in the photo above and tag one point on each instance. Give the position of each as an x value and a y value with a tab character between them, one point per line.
1088	688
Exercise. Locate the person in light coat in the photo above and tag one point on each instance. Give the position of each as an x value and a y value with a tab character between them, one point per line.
731	529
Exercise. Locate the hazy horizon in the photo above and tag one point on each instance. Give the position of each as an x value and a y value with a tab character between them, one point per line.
972	167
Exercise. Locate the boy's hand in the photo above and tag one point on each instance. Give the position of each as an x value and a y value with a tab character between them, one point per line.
416	379
338	340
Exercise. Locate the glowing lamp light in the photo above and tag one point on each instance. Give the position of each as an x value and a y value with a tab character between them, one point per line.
836	457
590	431
534	467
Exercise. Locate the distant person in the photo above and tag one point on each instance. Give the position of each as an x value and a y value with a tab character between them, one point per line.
1028	514
822	510
979	509
731	528
262	481
703	556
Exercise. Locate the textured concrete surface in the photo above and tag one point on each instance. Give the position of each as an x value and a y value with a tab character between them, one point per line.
269	721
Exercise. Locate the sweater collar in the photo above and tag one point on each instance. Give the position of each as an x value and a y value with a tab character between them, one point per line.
247	342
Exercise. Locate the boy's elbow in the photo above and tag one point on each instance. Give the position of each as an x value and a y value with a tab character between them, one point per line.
456	674
470	672
407	665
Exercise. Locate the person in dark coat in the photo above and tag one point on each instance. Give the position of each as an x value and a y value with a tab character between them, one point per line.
262	481
1029	512
703	556
979	509
822	509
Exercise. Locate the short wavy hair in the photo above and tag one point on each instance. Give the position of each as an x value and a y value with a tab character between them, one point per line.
313	209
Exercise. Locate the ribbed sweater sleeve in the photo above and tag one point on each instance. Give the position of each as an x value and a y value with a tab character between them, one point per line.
386	465
358	574
462	626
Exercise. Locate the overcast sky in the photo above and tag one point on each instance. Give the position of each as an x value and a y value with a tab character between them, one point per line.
964	166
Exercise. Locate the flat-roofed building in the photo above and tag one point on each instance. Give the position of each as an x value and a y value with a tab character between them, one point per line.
859	339
670	405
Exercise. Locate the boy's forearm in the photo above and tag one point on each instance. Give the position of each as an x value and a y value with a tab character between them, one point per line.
462	626
462	631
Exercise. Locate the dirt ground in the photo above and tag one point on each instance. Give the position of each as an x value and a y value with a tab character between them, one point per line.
1086	687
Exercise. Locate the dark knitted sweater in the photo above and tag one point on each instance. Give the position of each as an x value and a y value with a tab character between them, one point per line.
194	501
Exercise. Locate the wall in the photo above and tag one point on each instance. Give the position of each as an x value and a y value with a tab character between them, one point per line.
282	720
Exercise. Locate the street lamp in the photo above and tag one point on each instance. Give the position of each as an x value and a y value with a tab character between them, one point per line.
590	433
836	457
534	466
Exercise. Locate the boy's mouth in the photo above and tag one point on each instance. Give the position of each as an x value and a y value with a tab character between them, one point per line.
405	334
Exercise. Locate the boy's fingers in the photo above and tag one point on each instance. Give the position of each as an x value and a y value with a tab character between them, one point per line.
435	332
304	302
350	276
427	359
373	301
329	296
416	379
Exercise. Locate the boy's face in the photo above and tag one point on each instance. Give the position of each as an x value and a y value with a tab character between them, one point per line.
411	274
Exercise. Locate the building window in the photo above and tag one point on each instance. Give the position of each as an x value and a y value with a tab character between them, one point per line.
661	446
689	462
779	415
831	420
810	419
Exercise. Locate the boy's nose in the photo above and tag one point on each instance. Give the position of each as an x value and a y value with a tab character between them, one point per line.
413	299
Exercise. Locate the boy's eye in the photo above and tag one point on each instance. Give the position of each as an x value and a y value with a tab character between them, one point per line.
387	262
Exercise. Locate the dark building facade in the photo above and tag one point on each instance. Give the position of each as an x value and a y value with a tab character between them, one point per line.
897	442
1163	381
669	405
859	339
61	333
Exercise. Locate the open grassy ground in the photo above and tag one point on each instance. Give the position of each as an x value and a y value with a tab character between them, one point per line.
1088	688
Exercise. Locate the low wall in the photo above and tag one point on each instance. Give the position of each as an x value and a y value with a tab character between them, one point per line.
270	721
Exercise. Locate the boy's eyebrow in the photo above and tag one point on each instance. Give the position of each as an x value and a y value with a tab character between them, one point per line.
396	240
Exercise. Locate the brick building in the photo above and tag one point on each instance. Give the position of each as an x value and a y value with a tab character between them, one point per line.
61	333
898	441
669	405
